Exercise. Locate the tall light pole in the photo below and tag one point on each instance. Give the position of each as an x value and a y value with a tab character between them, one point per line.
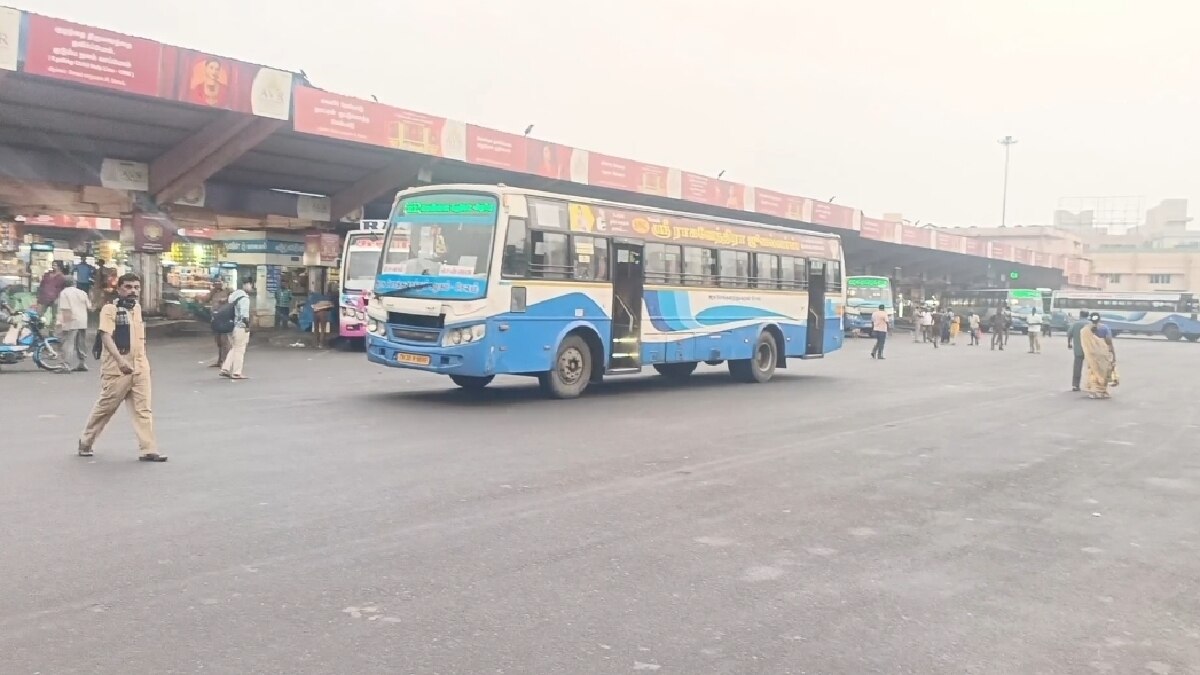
1007	142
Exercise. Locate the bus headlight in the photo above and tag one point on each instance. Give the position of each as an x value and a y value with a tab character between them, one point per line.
375	327
464	335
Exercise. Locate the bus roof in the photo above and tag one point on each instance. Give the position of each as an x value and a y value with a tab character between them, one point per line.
504	189
1115	295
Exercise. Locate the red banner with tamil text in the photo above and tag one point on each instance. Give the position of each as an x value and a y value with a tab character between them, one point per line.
91	56
488	147
833	215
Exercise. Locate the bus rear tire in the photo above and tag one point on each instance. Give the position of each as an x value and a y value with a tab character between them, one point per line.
571	371
1192	337
760	367
471	382
1173	333
675	371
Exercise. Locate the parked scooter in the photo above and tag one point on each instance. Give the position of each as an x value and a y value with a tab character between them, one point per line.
26	335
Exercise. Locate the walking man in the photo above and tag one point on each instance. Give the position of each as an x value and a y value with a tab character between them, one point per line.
232	367
926	324
124	372
974	324
52	283
1035	333
1074	342
879	325
73	308
217	298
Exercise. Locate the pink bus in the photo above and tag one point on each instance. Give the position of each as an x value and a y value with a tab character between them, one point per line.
360	259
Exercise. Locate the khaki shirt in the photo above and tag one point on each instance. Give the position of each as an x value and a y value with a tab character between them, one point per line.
137	340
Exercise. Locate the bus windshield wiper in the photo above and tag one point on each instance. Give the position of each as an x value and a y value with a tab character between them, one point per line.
402	292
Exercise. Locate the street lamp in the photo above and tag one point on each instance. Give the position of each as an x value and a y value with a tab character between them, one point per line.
1007	142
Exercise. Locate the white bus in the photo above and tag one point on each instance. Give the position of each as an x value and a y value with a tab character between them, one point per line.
478	281
1173	315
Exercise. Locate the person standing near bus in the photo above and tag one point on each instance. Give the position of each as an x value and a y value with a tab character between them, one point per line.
1074	343
232	367
1035	333
879	326
1000	327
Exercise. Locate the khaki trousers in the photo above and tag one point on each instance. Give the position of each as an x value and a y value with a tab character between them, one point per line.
134	391
237	351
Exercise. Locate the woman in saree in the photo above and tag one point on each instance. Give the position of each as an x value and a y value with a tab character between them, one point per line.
1100	355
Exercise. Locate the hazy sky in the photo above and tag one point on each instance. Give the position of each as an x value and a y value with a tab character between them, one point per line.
890	106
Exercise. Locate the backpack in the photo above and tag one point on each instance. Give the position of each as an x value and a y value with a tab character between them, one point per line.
223	319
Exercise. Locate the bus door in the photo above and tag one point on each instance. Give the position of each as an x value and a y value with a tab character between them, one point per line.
628	275
815	348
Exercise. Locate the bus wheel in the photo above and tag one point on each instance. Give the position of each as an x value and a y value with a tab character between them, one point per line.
1173	333
472	383
760	367
571	371
675	371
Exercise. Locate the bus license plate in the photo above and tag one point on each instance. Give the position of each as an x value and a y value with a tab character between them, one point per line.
415	359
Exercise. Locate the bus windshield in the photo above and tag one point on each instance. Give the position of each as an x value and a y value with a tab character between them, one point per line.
439	246
872	291
1025	302
361	261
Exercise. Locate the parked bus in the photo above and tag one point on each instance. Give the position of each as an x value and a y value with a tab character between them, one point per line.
864	295
1173	315
479	281
985	301
360	260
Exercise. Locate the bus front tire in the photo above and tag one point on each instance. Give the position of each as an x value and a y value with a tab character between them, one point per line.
675	371
571	371
761	366
1191	337
1173	333
471	382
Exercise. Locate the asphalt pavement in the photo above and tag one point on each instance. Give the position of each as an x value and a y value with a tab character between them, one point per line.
944	511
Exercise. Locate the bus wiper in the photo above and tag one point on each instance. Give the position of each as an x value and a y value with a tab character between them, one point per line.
402	292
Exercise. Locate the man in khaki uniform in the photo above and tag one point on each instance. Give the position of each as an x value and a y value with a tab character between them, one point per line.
124	371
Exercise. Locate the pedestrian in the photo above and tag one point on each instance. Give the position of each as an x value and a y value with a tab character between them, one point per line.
124	371
926	325
52	283
947	318
235	360
1035	333
935	327
283	306
73	308
999	328
1101	356
974	324
955	327
879	326
84	274
1075	343
218	297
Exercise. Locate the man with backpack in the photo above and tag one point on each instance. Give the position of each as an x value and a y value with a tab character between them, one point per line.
218	298
240	301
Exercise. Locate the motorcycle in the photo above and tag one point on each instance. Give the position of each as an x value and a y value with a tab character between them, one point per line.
27	336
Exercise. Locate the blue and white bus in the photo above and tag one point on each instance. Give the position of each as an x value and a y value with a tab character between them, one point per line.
1173	315
864	295
478	281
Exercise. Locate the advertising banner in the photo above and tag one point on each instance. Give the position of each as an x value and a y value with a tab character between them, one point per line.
10	38
352	119
488	147
92	56
152	232
872	228
769	202
548	160
833	215
228	84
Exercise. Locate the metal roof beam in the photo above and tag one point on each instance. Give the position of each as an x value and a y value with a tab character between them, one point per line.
201	155
370	187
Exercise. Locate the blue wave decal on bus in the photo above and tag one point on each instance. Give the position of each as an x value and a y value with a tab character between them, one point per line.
427	286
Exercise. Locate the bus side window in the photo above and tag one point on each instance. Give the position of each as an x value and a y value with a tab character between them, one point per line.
733	268
787	272
591	258
551	256
766	270
801	272
833	273
699	266
515	262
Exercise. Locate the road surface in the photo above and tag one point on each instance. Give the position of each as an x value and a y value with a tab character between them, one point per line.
951	511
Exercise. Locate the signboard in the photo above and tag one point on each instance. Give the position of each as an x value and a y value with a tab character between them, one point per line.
92	56
10	38
73	222
268	246
152	232
833	215
548	160
655	227
488	147
274	279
